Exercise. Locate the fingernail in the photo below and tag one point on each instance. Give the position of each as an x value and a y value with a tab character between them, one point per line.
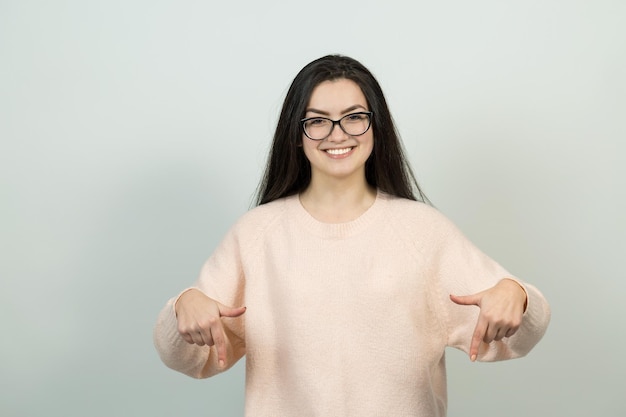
221	363
473	358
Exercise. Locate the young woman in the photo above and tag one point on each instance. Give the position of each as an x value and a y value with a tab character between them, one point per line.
343	287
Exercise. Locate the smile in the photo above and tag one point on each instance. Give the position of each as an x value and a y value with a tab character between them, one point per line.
340	151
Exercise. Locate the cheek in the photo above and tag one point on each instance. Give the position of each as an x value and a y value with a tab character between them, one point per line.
308	147
369	145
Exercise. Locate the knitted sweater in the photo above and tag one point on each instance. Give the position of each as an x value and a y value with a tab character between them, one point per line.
348	319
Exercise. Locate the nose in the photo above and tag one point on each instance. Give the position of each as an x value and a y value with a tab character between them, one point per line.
337	134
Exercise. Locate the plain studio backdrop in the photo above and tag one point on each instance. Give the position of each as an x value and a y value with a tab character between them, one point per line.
133	134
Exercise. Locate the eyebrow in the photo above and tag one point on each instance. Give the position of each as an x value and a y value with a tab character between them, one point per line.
348	110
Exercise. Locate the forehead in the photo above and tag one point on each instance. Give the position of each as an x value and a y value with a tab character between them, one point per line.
337	95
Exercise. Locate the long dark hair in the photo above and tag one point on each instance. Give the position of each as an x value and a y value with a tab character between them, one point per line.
288	171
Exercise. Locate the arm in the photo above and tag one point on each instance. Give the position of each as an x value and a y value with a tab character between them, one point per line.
199	321
502	309
194	333
487	315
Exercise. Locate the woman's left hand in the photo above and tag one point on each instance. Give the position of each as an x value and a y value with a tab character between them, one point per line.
501	310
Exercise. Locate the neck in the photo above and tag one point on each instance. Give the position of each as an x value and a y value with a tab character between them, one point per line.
337	201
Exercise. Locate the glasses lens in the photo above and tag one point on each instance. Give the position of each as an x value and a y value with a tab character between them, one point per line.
318	128
355	124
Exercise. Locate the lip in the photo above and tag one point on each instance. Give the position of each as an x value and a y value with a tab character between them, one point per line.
340	155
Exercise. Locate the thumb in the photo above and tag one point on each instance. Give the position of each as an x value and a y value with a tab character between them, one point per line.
466	300
226	311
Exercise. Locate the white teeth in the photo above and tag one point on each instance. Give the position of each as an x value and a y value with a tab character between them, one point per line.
338	151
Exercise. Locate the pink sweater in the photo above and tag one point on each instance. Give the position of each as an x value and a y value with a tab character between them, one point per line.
346	319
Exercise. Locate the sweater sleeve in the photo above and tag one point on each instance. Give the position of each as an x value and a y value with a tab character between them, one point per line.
462	269
221	279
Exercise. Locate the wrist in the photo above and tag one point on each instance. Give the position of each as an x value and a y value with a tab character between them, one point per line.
178	298
523	291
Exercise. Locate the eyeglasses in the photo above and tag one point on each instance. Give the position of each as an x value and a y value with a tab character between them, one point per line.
353	124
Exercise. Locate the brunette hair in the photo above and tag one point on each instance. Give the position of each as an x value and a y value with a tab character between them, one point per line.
288	171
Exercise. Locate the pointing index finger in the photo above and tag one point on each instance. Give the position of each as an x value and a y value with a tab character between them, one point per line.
477	338
219	339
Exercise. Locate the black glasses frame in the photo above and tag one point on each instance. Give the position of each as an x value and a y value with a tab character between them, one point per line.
338	122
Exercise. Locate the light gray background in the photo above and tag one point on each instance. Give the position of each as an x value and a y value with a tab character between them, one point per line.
133	134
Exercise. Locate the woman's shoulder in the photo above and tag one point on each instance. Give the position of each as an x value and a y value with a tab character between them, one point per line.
416	216
411	209
261	217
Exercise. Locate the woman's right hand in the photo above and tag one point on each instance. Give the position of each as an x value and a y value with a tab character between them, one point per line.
199	321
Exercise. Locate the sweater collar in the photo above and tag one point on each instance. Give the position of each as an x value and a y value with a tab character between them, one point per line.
336	230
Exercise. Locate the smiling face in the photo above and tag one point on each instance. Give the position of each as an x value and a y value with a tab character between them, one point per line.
339	156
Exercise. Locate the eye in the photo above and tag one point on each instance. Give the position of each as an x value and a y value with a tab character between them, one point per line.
316	122
356	117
